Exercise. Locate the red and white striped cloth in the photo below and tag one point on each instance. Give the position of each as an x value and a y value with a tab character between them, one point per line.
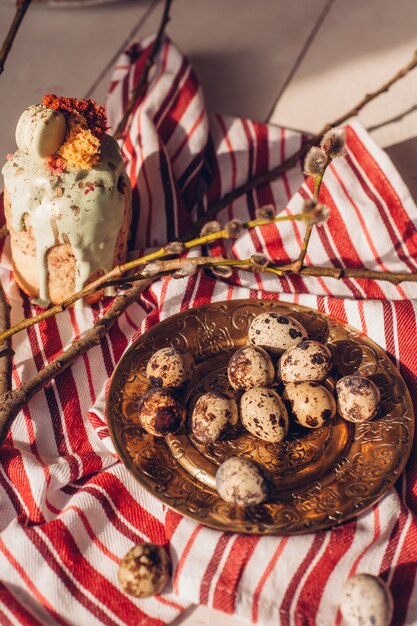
70	510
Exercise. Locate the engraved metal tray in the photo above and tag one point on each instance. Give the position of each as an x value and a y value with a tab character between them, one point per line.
322	477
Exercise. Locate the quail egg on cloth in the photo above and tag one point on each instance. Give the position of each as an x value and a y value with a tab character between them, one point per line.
170	367
249	367
275	332
263	414
357	398
243	482
307	361
366	601
144	570
214	413
160	413
312	405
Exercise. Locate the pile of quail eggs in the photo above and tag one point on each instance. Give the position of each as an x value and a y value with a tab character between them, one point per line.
279	355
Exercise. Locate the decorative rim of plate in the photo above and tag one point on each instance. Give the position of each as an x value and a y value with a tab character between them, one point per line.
364	460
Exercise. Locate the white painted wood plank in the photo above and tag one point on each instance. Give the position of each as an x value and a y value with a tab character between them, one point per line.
242	51
361	45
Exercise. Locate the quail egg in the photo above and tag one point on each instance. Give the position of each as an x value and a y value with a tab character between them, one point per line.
312	405
307	361
243	482
160	413
144	570
213	414
275	332
366	600
249	367
357	398
170	367
263	414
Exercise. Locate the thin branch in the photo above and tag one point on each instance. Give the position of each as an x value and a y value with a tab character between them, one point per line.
267	177
114	277
171	265
13	401
5	347
140	87
165	267
298	264
394	278
21	8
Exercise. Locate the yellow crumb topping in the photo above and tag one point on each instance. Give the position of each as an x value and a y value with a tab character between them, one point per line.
81	148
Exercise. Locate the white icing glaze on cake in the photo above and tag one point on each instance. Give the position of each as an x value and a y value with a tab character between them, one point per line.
83	208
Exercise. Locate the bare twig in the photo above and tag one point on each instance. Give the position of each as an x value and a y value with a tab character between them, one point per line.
267	177
140	87
5	348
166	267
21	8
394	278
13	401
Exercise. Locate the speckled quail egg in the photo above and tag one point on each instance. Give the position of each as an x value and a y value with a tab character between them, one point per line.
249	367
275	332
160	413
240	481
366	601
144	570
214	413
263	414
170	367
312	405
307	361
357	398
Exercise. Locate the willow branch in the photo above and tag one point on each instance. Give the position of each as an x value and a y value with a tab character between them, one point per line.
299	262
141	85
167	267
331	272
5	347
13	401
117	274
334	272
276	172
251	264
21	8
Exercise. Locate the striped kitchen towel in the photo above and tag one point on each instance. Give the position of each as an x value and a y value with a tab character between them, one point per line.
70	510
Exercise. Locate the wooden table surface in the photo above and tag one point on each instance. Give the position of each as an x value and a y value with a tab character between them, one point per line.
298	64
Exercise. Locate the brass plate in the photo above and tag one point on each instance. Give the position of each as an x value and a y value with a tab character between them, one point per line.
322	477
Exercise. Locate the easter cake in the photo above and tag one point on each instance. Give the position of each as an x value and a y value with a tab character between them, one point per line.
67	199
